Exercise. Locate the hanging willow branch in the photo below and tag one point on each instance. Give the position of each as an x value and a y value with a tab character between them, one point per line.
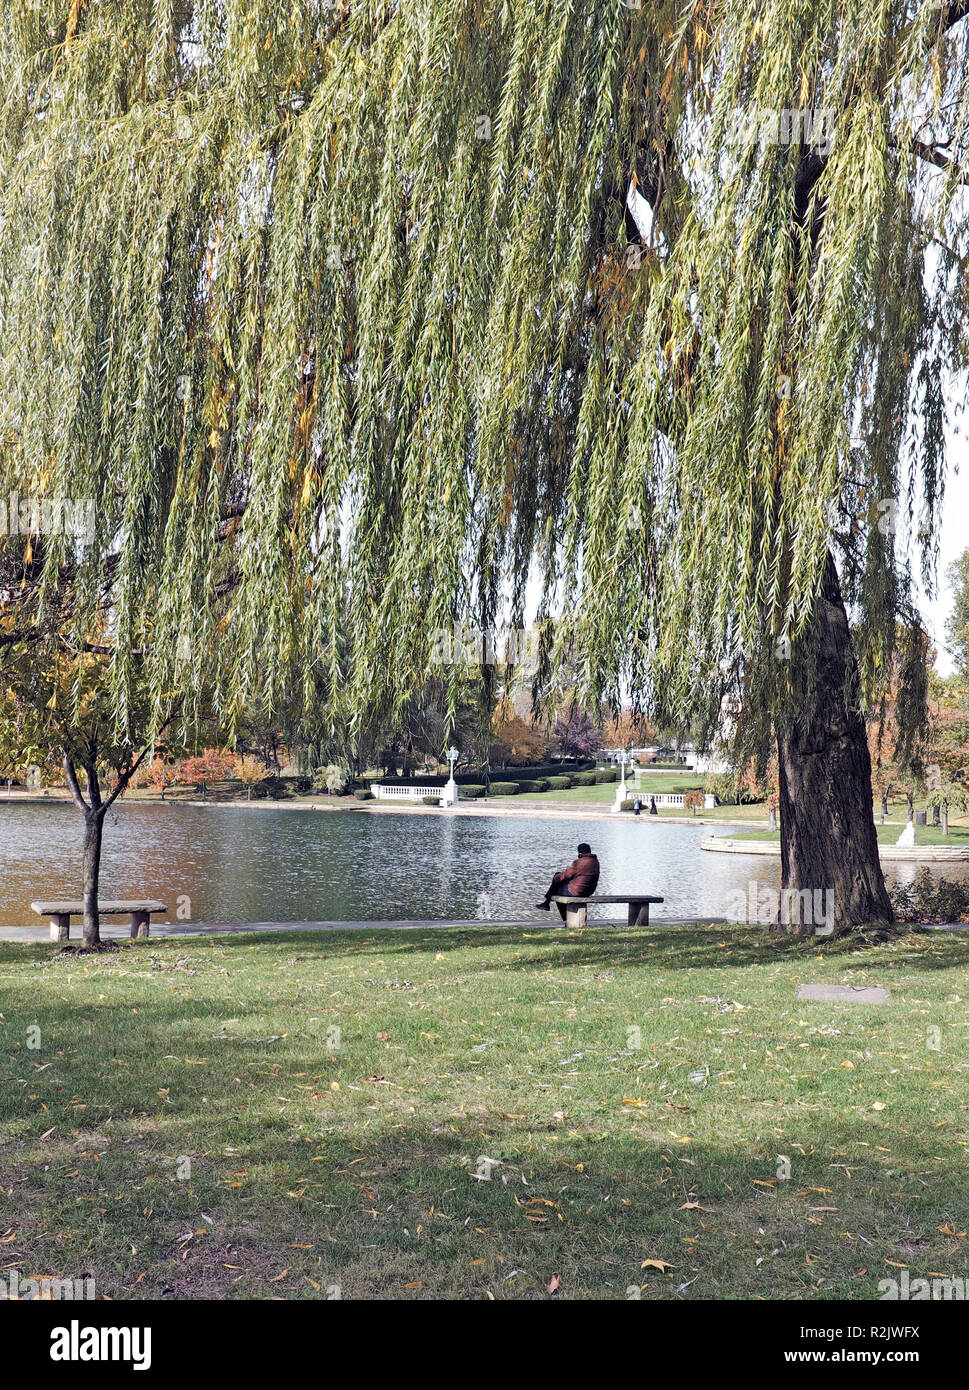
342	318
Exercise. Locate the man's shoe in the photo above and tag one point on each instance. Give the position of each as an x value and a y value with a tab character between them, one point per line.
544	907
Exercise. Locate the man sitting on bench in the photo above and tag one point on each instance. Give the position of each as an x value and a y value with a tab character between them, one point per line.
577	881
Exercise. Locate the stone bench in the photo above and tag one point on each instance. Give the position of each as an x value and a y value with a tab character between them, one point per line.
575	908
60	913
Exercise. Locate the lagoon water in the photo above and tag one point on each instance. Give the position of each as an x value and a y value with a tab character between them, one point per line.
252	864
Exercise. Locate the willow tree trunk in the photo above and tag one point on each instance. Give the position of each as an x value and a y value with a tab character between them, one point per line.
93	828
829	846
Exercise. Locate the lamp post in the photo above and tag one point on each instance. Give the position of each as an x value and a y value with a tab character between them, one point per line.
451	792
621	791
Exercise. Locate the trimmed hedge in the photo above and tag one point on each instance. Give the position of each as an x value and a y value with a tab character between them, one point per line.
471	791
539	771
559	784
606	774
539	785
431	800
626	805
503	789
583	779
363	795
428	781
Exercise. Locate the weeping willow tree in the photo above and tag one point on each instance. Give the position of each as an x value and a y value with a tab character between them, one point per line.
358	320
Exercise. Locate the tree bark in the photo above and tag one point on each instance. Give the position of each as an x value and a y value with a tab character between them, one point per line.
829	845
93	828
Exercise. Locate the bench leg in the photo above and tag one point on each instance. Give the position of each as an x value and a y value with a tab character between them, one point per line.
576	916
60	927
139	923
638	915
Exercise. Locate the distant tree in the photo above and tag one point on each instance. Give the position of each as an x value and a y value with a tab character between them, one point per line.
576	735
212	765
516	740
625	731
249	771
332	779
160	774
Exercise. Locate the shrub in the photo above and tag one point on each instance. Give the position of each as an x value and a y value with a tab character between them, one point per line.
929	899
583	779
275	787
626	805
472	791
724	787
363	795
504	789
539	784
431	800
559	784
606	774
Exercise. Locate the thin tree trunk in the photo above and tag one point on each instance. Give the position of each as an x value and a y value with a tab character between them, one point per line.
829	845
93	828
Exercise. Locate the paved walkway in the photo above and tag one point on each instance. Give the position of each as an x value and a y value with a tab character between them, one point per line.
554	810
114	932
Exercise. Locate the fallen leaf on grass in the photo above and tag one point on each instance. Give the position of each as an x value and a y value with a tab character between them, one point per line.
661	1265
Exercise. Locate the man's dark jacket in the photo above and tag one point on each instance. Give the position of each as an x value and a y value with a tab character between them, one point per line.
580	878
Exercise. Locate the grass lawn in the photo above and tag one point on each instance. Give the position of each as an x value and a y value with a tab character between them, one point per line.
604	794
184	1131
887	835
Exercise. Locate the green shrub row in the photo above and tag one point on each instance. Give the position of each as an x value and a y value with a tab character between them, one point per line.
363	795
559	784
504	789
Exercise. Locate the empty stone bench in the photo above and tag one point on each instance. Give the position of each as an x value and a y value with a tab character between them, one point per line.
575	908
60	913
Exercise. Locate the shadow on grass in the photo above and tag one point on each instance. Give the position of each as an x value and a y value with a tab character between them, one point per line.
295	1186
452	1206
688	947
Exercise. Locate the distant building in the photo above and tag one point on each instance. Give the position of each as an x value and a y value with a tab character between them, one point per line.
702	761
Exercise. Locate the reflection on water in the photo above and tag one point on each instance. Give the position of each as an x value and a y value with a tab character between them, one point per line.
253	864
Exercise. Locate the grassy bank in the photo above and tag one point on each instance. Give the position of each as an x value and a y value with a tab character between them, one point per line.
183	1129
887	835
